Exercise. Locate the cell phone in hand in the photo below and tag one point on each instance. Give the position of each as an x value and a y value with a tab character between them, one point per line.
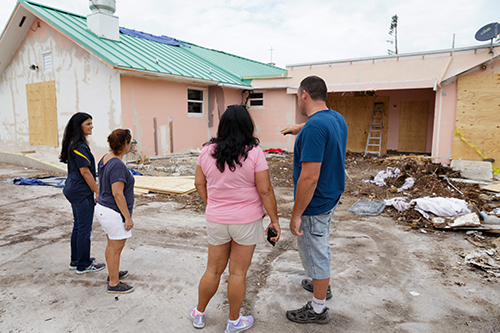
271	234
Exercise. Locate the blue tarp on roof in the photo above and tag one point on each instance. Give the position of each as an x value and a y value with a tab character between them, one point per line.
144	35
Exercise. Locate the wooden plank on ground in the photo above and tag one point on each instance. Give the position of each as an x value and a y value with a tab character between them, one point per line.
495	187
167	185
139	191
409	157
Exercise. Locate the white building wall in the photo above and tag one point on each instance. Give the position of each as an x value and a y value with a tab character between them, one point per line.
83	84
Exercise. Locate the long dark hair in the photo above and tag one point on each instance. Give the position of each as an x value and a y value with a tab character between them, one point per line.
234	138
73	134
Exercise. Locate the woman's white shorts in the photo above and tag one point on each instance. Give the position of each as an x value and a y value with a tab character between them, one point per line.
112	223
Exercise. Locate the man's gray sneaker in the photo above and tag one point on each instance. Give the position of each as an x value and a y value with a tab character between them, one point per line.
198	320
93	267
245	323
307	284
306	315
74	263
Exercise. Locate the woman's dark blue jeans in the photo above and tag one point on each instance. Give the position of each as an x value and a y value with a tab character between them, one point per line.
83	214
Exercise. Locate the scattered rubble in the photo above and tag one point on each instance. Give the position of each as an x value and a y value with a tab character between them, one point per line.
431	180
486	260
428	180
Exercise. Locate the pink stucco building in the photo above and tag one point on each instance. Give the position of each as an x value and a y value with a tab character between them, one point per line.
426	96
171	94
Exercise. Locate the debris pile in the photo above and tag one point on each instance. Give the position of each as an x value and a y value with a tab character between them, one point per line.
412	177
430	180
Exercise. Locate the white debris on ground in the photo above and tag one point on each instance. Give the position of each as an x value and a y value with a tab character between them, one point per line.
380	178
444	207
484	259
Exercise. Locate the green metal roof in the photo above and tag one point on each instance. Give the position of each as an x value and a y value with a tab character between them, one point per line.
138	54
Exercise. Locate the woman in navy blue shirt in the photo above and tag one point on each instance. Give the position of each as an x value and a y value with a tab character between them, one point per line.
114	206
79	189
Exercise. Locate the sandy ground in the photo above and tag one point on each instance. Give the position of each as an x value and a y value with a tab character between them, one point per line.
385	277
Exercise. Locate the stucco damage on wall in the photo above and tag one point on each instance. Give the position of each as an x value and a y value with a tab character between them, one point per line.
82	81
137	122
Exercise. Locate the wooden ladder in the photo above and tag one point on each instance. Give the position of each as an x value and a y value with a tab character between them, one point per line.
374	141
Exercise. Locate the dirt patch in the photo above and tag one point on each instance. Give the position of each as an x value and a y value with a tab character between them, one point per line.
429	179
378	268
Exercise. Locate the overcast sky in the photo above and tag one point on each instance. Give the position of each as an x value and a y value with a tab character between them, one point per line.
300	31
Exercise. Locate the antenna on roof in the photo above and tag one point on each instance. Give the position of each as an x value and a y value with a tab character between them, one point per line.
489	31
272	63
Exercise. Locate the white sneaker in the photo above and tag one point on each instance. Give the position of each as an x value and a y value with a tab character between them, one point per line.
198	320
245	323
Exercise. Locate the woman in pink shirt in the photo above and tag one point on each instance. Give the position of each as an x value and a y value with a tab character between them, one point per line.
232	178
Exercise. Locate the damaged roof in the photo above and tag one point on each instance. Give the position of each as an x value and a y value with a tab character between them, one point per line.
147	55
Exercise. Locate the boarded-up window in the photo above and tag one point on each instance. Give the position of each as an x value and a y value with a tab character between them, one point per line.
42	113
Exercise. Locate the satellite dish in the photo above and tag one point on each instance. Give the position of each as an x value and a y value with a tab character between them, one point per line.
488	32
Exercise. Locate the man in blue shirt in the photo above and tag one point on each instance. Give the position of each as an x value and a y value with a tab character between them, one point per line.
319	179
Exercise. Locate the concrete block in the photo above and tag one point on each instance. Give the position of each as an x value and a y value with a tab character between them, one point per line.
476	170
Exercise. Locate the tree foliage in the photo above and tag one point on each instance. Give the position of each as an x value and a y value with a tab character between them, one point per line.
393	31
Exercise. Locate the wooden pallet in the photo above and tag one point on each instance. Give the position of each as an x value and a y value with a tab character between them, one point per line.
166	185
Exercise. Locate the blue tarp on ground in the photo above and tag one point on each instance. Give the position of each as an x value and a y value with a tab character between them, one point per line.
49	181
135	173
159	39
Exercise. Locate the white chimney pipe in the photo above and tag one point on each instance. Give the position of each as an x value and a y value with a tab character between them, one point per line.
101	21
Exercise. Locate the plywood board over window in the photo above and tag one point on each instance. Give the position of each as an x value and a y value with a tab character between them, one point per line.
478	117
357	112
413	126
42	113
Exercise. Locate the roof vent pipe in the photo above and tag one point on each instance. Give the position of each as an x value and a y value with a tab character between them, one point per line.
101	21
103	6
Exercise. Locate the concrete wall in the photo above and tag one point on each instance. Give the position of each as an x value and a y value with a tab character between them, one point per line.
392	72
403	78
219	99
82	82
144	99
277	112
444	122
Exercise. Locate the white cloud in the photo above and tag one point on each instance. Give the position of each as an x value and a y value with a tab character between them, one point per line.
301	31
